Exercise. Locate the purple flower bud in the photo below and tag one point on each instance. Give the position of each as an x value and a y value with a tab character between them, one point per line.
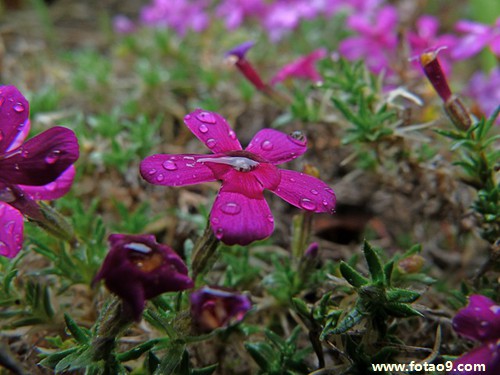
212	307
434	72
244	66
312	251
138	268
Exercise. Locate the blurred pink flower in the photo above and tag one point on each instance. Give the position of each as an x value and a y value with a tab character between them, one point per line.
426	38
40	168
376	40
304	68
236	11
480	320
477	36
123	25
179	15
240	214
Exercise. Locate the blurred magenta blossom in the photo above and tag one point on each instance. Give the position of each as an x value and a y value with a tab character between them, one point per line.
178	15
138	268
480	320
485	90
240	214
375	40
123	25
40	168
213	307
477	36
426	38
302	68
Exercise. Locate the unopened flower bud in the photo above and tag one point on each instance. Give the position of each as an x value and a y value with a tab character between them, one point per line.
412	264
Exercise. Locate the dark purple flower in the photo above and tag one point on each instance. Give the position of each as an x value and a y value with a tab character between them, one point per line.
477	36
304	68
138	268
40	168
376	40
480	320
213	307
485	90
240	213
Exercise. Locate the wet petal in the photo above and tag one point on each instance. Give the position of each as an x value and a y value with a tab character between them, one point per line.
213	130
306	192
479	320
11	231
14	113
277	147
52	190
175	170
41	159
237	219
488	354
21	136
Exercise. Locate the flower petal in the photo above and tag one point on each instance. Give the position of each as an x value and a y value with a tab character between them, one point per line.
52	190
11	233
238	219
480	320
14	113
306	192
175	170
213	130
277	147
488	354
41	159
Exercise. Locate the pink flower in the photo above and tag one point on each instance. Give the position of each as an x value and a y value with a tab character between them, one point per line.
123	25
376	41
236	11
213	307
480	321
304	67
426	38
138	268
240	214
179	15
477	37
40	168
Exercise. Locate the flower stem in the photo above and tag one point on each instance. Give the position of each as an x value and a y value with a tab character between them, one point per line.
204	253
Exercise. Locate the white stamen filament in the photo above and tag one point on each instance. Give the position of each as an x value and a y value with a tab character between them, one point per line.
239	163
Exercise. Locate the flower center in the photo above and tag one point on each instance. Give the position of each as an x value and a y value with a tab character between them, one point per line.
143	257
239	163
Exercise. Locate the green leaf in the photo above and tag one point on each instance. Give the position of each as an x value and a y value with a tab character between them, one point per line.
136	351
350	320
263	354
352	276
78	333
171	359
208	370
374	264
402	295
401	310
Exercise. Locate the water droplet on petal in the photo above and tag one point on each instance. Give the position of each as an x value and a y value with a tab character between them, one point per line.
314	192
207	117
270	218
266	145
151	172
307	204
203	129
325	203
2	99
3	248
215	220
211	143
219	232
232	135
52	157
1	136
329	190
19	107
292	179
231	208
169	165
187	117
160	177
51	186
25	153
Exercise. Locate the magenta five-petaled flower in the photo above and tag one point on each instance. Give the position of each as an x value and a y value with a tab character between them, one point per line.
240	213
40	168
480	320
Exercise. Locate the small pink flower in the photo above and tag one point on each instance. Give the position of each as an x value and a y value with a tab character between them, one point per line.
304	68
240	214
480	320
40	168
376	40
123	25
477	36
485	90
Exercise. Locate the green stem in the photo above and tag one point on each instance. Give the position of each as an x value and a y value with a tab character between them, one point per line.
204	253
